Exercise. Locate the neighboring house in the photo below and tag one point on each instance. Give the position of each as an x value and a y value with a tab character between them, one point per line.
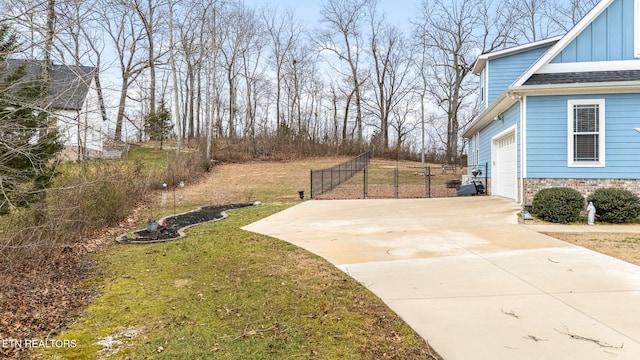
563	111
74	103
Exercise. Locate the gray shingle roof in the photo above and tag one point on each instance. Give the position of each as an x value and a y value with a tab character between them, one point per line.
583	77
69	84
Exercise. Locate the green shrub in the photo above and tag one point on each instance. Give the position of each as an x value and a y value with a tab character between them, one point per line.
615	205
558	205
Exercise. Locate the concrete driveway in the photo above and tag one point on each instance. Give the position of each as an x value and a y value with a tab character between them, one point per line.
470	280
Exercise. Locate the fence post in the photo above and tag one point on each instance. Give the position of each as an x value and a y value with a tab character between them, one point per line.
331	186
395	182
364	183
311	182
429	182
486	178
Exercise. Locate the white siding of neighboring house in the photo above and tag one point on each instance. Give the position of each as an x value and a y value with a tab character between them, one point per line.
82	128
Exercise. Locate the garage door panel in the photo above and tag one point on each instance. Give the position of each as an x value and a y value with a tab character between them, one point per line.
504	173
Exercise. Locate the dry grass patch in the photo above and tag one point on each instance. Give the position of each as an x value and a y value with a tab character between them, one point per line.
624	246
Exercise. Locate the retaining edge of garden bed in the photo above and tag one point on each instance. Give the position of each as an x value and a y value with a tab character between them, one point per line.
122	239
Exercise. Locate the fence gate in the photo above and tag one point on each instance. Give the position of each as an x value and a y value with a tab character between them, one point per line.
397	182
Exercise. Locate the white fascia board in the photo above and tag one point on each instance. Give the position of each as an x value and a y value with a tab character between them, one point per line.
481	61
613	87
562	43
590	66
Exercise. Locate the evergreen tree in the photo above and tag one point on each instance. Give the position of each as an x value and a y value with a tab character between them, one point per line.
158	124
29	144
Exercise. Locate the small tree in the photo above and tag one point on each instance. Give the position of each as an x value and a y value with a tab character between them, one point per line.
28	144
158	125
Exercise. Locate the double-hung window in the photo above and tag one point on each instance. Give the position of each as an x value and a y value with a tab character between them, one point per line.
586	133
475	158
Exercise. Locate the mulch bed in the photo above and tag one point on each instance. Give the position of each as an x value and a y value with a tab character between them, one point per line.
170	226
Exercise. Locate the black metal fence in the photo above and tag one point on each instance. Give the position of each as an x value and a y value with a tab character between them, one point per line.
325	180
399	182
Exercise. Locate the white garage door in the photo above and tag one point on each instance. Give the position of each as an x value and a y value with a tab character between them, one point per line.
504	173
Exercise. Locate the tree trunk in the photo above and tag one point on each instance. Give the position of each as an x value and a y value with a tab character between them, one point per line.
48	42
174	73
152	61
232	104
121	107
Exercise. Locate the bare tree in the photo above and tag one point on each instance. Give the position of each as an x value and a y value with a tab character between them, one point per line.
343	37
121	25
284	32
452	33
403	121
174	76
530	20
147	13
48	41
234	44
566	13
251	56
392	62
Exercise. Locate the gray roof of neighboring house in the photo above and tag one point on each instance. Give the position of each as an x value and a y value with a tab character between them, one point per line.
69	84
583	77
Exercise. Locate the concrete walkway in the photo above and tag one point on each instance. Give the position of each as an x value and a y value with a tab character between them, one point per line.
473	282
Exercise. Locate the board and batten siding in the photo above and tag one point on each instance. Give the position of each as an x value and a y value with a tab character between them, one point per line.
504	71
547	131
511	118
610	37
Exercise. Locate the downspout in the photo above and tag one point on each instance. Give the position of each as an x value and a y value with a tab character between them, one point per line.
523	147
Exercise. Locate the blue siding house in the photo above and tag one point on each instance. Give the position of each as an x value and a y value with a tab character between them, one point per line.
563	111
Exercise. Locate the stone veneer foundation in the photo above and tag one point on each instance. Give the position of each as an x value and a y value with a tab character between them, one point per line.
584	186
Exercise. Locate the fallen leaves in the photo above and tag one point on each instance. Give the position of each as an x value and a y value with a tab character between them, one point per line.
39	299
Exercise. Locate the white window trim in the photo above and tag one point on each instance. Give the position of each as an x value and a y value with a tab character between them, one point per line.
484	80
476	149
601	137
636	27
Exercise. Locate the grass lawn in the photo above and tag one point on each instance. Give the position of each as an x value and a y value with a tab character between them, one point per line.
226	293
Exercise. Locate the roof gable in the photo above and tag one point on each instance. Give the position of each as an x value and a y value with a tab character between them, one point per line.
565	41
608	37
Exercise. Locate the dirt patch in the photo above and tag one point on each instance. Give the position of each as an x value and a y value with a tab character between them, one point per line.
624	246
347	191
388	179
